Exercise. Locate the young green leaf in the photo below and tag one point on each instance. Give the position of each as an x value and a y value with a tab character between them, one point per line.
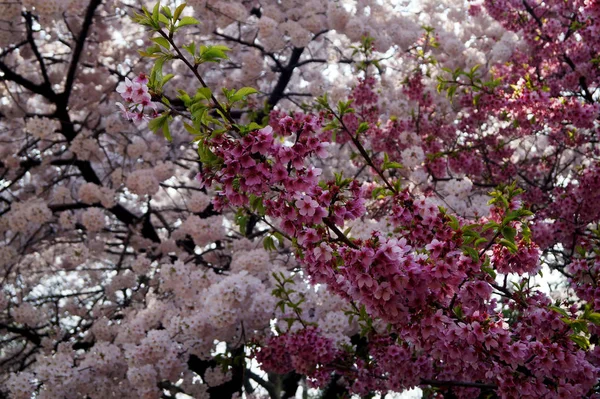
186	21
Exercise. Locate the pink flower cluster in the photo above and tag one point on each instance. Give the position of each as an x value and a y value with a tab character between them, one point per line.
306	351
137	99
437	300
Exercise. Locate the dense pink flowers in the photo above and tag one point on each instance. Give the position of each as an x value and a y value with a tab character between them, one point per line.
137	99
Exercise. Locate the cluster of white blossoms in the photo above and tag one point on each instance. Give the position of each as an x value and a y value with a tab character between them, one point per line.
85	147
90	193
143	182
21	385
461	197
412	157
198	202
137	148
26	313
203	231
28	215
93	219
75	255
41	128
164	170
254	261
227	300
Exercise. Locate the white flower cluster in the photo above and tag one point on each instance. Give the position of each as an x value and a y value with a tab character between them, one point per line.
90	193
253	64
164	170
215	376
67	220
233	11
203	231
185	280
141	265
61	194
459	187
227	301
75	255
198	202
363	228
104	358
255	262
137	148
27	314
144	380
504	48
412	157
159	350
335	327
26	215
93	219
299	36
21	385
41	128
143	182
84	146
119	282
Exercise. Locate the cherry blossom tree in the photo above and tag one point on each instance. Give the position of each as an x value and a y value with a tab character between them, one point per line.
257	199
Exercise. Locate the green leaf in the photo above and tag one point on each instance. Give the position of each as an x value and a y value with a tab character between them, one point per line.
242	93
479	241
453	223
581	341
190	129
489	271
185	21
178	11
559	310
191	48
594	318
166	78
163	19
213	53
269	244
526	233
579	326
490	225
509	233
161	123
155	12
458	311
510	245
207	156
155	123
203	93
167	11
392	165
151	52
156	76
162	42
471	252
363	127
166	131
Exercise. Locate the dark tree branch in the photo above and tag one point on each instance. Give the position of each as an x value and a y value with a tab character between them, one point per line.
285	77
79	45
36	51
26	333
42	90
